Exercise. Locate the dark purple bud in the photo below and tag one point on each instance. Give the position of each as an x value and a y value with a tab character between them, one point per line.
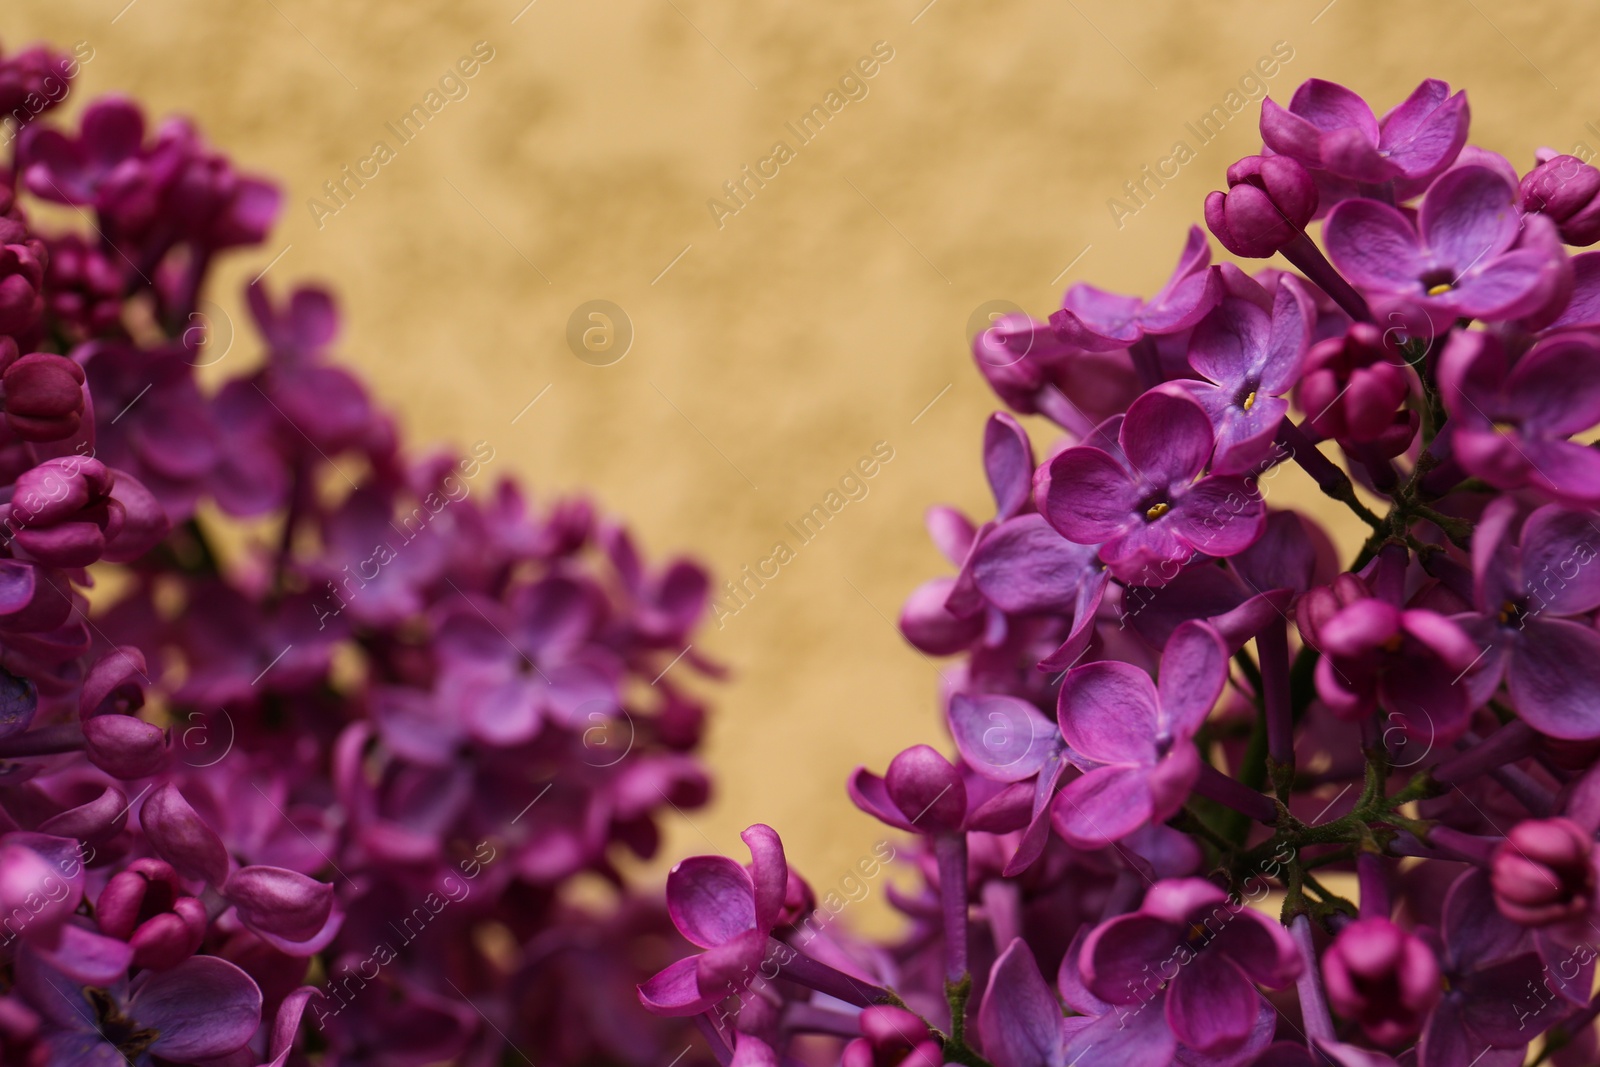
892	1037
1382	977
928	790
177	832
1268	203
112	686
44	397
62	512
144	905
1543	872
1354	384
1565	188
125	747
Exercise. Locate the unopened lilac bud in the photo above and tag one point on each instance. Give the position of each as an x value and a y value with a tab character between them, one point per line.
1353	385
43	397
892	1037
144	905
280	902
1268	203
1567	190
931	626
1544	873
1382	977
182	838
125	747
928	790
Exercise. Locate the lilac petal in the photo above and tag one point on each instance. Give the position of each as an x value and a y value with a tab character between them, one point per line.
674	991
1245	438
870	793
182	838
1019	1020
1555	679
1166	436
1103	806
927	622
144	525
1182	305
278	901
1084	615
1494	558
1110	713
1469	216
1259	946
1244	622
1194	668
1008	461
769	873
751	1051
1473	928
1230	343
1087	495
1294	314
1069	979
1120	958
1424	134
1557	547
1509	286
1374	246
203	1007
1566	470
1144	552
1289	134
952	532
1210	1004
17	583
1127	1037
1024	567
1097	320
286	1024
1001	737
99	819
1037	833
82	1050
1220	516
1506	1021
110	672
1331	106
733	965
1556	386
86	957
711	900
1002	813
1583	306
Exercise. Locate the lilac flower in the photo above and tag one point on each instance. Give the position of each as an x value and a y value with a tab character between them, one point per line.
1510	423
1459	260
1250	358
1564	188
1328	127
1137	736
1545	875
1269	201
1096	320
203	1008
1153	505
1525	598
1196	953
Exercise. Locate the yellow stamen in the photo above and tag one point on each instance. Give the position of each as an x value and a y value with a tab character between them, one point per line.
1440	289
1249	401
1504	427
1157	510
1507	611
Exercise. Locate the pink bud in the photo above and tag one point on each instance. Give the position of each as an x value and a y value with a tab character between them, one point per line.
1564	188
183	839
1268	203
1382	977
125	747
1544	873
928	790
43	397
281	902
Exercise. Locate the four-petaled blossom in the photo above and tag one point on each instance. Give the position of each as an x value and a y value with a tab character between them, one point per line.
1137	736
1327	127
1151	505
1094	319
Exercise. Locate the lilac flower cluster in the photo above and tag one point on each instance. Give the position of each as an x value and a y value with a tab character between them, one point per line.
1245	805
321	796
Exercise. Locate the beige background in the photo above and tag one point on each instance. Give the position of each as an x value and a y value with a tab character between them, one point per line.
821	318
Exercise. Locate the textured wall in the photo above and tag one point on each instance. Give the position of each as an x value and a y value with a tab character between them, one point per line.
770	352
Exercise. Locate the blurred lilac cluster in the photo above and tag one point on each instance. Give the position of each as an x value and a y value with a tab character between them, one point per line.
1217	798
325	793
